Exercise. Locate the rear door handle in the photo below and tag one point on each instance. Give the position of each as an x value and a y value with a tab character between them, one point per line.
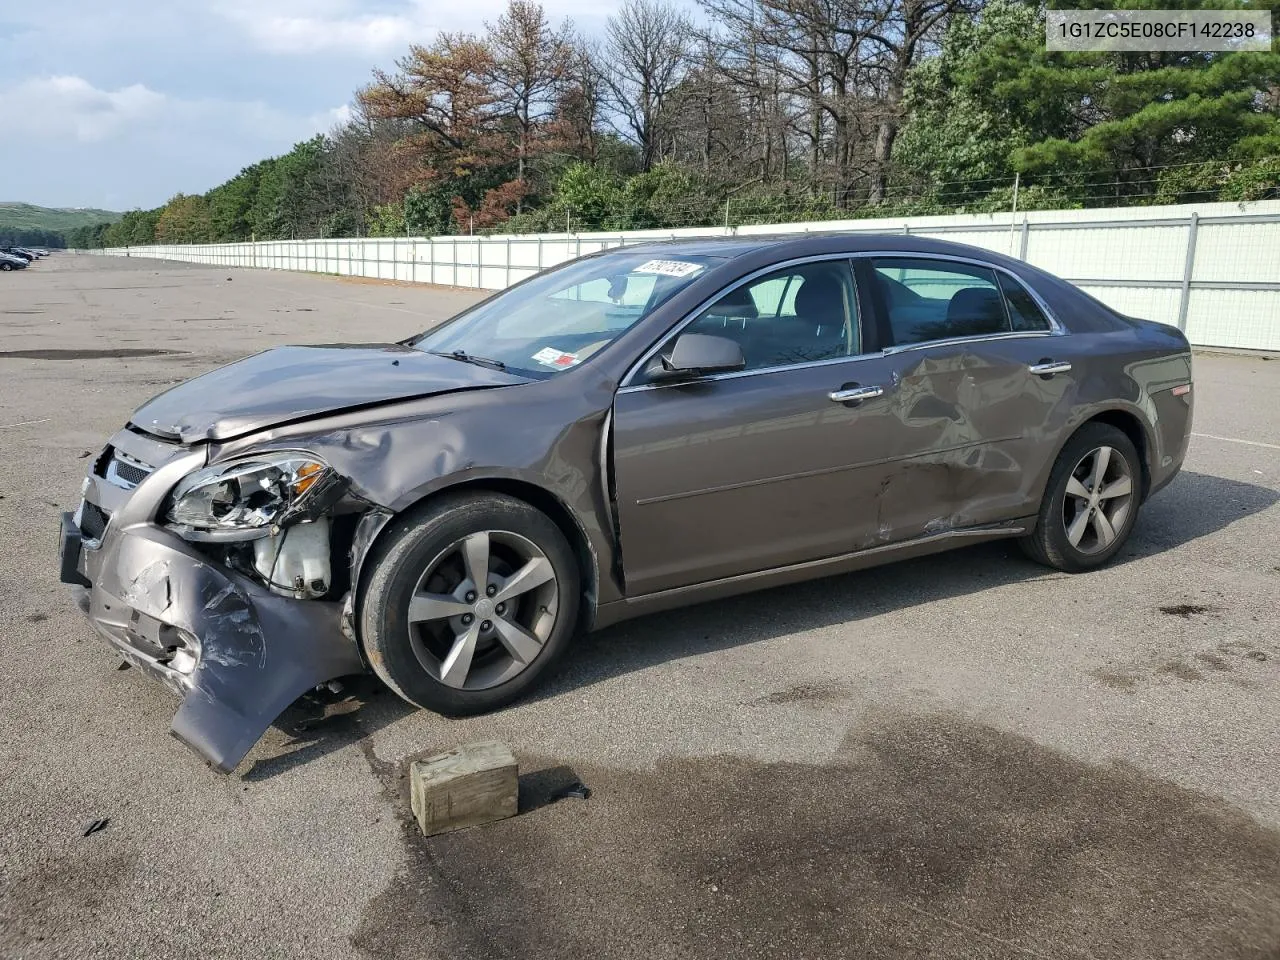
1047	368
856	393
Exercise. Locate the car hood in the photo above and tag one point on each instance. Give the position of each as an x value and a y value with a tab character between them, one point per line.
289	384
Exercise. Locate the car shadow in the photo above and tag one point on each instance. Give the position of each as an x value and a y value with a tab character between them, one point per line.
324	720
1195	505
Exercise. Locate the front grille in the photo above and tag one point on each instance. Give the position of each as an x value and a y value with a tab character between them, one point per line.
129	472
120	469
93	521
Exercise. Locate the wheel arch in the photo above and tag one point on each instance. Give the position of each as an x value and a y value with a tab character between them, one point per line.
1129	422
537	497
1132	426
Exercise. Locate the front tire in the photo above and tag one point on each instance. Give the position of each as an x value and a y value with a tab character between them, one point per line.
1091	502
471	599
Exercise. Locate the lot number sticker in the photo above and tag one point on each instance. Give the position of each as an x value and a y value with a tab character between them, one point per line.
669	268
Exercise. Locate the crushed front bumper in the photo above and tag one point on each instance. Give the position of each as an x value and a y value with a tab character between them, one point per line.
235	652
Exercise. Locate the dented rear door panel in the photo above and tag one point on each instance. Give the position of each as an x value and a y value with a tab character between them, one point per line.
995	424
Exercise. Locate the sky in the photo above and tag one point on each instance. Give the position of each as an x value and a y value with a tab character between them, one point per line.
121	104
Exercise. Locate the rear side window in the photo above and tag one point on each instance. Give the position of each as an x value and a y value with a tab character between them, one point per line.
1024	312
928	300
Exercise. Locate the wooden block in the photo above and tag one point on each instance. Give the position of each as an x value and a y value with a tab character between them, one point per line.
472	784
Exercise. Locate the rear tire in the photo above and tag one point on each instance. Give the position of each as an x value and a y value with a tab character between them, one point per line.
6	267
1091	502
471	599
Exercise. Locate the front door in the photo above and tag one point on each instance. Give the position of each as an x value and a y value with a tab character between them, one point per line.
762	468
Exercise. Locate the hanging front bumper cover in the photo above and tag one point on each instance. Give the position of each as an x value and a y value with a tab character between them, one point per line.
236	653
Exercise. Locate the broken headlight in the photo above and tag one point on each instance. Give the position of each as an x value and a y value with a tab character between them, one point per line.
245	499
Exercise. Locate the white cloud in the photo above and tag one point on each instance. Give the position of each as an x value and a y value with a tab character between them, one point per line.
284	27
293	35
340	26
125	103
84	145
337	117
71	107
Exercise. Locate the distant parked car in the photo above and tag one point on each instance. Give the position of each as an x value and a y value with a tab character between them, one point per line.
20	252
9	261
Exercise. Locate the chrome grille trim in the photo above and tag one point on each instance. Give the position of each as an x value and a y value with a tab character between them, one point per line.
125	471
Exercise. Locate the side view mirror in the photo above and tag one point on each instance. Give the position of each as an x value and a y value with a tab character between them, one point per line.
696	354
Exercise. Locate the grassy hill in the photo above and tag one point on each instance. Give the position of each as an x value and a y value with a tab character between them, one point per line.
25	216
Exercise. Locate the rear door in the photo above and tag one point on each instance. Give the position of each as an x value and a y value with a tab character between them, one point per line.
982	368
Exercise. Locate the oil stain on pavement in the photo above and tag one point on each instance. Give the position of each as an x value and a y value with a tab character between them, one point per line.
926	836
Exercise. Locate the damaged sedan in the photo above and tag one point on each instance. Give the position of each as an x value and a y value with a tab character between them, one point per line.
640	429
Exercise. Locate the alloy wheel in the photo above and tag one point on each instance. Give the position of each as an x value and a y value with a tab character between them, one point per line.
1098	500
483	609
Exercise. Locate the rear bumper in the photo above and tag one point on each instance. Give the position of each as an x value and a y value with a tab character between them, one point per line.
235	653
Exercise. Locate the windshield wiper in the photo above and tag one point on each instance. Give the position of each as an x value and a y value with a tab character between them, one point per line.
470	358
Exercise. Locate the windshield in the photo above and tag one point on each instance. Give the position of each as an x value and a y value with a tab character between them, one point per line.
561	318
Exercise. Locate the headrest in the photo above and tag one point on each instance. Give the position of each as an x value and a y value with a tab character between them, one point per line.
736	304
976	310
819	294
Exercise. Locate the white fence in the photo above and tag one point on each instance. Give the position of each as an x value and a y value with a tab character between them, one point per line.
1211	269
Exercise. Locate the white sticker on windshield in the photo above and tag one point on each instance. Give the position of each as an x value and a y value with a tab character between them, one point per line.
669	268
551	357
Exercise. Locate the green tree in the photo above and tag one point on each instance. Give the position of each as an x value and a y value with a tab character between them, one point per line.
134	228
959	138
184	219
231	205
301	200
429	211
1085	127
84	238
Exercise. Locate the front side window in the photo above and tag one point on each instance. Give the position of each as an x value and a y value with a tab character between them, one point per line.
929	300
795	315
561	318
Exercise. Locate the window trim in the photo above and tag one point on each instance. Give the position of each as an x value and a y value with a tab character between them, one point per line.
1056	329
627	384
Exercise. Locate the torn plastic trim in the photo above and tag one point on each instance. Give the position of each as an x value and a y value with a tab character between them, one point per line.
258	652
316	501
370	525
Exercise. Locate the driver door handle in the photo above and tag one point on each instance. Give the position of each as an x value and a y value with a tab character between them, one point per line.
855	393
1047	368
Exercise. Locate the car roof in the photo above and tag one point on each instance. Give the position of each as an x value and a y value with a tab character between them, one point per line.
785	245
